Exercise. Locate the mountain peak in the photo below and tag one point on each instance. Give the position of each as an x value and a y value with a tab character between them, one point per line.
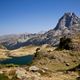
69	14
67	21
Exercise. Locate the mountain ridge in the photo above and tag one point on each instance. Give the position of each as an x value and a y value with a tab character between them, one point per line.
67	25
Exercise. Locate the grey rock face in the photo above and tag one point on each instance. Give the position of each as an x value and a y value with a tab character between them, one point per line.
68	20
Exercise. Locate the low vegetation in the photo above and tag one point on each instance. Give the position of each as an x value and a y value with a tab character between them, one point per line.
3	77
65	43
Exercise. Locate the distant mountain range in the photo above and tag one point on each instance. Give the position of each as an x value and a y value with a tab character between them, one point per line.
68	25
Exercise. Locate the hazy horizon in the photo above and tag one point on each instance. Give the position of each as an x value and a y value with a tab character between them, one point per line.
33	16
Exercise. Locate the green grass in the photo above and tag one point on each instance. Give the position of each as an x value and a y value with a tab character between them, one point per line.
3	77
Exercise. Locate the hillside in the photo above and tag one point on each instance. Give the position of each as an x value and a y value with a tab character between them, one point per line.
52	64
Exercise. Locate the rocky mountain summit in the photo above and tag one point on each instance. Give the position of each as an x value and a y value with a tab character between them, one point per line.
67	25
68	20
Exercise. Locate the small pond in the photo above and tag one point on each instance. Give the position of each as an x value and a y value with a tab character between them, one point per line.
18	60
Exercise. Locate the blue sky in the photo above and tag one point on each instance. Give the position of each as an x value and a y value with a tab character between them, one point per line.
20	16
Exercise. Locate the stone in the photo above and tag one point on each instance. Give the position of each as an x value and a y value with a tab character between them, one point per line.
21	73
33	68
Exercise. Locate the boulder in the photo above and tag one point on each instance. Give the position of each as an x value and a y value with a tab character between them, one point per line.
33	68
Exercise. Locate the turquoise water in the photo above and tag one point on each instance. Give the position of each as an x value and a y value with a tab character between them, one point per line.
18	60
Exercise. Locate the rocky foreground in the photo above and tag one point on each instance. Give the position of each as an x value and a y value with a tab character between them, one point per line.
20	73
49	64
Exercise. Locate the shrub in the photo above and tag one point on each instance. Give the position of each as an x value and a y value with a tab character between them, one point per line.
38	49
65	43
38	55
37	52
